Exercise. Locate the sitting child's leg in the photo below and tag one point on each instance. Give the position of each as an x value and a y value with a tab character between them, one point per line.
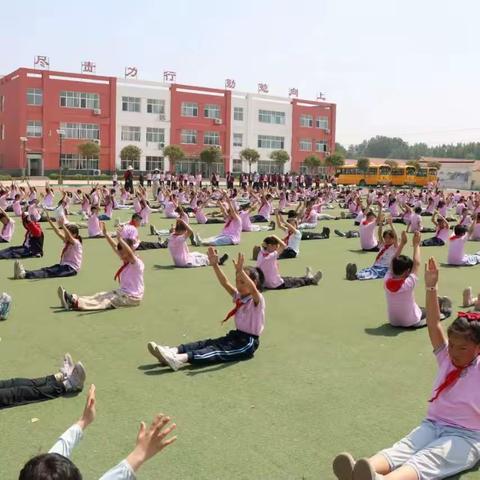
98	301
297	282
45	272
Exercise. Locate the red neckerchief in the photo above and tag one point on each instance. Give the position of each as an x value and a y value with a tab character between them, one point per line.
265	254
382	252
287	238
229	221
120	270
238	305
394	284
449	381
455	237
366	222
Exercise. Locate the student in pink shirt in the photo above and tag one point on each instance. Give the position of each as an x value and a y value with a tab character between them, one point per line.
238	344
475	229
129	276
442	232
267	262
447	442
94	228
70	258
177	245
415	224
7	227
400	282
368	230
456	249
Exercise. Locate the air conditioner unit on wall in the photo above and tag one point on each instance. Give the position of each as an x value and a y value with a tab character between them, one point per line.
218	121
97	111
161	146
96	140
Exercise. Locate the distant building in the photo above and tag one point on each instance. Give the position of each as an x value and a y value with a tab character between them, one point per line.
45	115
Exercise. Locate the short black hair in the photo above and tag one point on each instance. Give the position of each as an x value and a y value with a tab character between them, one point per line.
401	264
460	230
418	210
50	466
136	216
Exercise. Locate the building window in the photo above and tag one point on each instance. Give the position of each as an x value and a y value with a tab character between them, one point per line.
73	161
305	145
269	116
322	122
189	109
306	121
237	139
269	141
89	131
212	111
154	163
211	138
238	114
321	146
237	165
155	105
2	103
131	104
124	164
34	96
131	134
34	128
188	137
156	135
269	166
79	100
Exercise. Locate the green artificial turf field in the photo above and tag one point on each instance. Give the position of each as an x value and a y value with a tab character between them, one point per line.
328	376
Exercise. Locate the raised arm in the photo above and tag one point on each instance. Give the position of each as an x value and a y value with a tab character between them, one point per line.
240	272
416	252
213	260
438	337
401	244
54	227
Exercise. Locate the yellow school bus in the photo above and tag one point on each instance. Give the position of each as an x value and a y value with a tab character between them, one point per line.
403	175
426	176
374	175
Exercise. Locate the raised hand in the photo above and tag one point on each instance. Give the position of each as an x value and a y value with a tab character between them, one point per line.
103	226
90	410
212	256
417	237
403	238
431	273
239	263
151	440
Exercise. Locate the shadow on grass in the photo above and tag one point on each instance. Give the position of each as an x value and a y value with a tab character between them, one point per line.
447	265
164	267
386	330
360	251
190	370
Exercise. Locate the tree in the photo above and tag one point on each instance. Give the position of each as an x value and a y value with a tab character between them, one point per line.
89	150
281	157
131	153
312	162
251	156
340	149
174	154
414	163
209	156
363	164
436	165
391	163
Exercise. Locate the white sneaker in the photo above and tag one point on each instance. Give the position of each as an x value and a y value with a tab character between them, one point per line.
18	271
76	379
68	366
309	272
169	358
61	295
153	350
317	277
198	240
468	297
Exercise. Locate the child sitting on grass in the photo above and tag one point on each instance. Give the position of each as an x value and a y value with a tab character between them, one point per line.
400	282
442	233
32	244
56	464
447	442
129	275
388	246
267	262
238	344
456	249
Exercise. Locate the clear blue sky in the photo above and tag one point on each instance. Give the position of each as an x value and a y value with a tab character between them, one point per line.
407	68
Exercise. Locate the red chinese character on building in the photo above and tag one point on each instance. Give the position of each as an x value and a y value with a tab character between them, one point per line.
321	96
262	88
230	83
41	61
169	76
131	72
293	92
88	67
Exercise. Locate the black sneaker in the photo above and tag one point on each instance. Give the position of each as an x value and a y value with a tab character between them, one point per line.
351	271
223	259
339	233
273	225
326	232
68	297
